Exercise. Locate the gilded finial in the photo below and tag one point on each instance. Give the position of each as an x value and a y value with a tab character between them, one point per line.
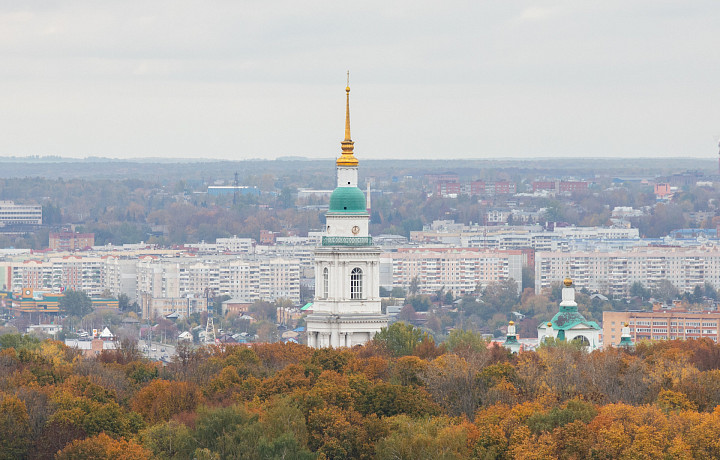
347	158
567	282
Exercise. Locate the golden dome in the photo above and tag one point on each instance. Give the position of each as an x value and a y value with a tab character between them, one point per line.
347	89
567	282
549	324
512	323
626	324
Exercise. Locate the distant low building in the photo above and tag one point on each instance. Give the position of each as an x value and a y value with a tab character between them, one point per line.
217	190
235	306
69	241
91	348
19	214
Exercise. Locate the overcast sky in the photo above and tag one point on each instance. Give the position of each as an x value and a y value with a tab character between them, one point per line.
430	79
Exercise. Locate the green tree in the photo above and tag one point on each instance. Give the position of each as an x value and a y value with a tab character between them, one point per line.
461	342
76	303
19	341
528	277
501	295
665	291
400	339
397	292
638	290
169	440
414	286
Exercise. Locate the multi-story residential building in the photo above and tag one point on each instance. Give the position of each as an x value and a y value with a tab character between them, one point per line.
304	253
256	278
501	188
448	188
558	186
280	278
240	279
458	270
60	273
661	324
479	188
153	307
529	236
615	271
121	275
69	241
15	214
235	245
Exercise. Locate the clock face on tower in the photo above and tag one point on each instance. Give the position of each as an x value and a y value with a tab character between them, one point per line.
356	230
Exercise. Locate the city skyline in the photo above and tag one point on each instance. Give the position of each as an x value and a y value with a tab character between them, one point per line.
459	80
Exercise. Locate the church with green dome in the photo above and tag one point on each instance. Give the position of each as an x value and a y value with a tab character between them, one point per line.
569	324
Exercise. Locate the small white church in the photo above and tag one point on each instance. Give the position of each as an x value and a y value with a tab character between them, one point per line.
569	324
346	310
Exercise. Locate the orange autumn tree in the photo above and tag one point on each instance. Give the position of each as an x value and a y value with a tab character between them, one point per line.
162	399
103	447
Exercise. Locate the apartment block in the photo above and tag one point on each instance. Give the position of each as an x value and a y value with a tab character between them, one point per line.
615	271
69	241
458	270
58	274
153	307
661	324
248	279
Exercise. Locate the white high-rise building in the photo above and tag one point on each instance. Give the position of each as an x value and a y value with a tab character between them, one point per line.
347	309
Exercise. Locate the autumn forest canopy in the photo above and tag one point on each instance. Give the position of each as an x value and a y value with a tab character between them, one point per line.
400	396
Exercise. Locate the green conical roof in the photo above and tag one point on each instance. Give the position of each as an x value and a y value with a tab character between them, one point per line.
347	199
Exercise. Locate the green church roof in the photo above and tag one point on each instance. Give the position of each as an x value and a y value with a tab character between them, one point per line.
565	320
347	199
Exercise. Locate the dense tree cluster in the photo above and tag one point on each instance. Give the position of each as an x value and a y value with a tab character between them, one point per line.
400	397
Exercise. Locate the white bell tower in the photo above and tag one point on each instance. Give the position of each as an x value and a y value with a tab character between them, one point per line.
347	309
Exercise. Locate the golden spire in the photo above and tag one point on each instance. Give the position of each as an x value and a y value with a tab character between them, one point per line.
347	158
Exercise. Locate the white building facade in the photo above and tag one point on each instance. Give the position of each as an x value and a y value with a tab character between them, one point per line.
615	271
457	270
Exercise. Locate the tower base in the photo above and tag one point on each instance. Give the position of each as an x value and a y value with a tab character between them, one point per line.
334	331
